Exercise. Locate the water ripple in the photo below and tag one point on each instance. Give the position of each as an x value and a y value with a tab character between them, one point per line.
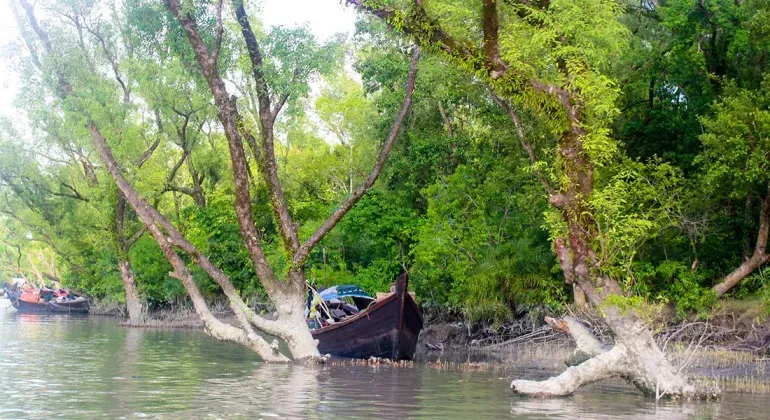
83	367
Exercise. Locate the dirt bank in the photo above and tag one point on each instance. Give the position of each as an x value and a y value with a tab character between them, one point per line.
733	325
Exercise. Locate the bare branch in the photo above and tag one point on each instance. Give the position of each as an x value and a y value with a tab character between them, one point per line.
603	366
148	153
112	60
447	120
30	46
429	33
359	192
136	236
75	19
278	106
64	85
255	54
175	169
283	98
491	28
228	116
184	190
75	193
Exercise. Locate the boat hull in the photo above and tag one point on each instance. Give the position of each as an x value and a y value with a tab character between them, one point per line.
388	329
50	307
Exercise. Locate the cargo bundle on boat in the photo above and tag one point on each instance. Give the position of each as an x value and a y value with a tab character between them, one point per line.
349	323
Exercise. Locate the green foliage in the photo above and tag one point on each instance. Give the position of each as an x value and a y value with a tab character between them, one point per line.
636	203
151	270
482	251
674	282
370	244
736	142
758	284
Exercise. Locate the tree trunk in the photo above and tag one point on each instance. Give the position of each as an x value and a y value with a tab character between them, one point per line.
290	306
133	305
757	259
635	355
167	237
350	171
578	297
122	246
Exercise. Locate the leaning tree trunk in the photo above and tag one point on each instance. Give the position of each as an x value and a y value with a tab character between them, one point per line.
635	355
288	296
167	237
290	307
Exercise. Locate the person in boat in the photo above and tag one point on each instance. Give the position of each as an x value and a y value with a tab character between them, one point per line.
47	294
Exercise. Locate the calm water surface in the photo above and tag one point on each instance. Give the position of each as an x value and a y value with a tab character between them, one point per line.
84	367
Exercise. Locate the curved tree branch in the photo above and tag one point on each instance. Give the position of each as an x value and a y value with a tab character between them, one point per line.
524	141
757	259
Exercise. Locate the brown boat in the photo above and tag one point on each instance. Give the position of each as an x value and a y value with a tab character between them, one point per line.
364	327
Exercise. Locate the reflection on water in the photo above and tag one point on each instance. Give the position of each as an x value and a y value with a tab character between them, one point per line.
66	366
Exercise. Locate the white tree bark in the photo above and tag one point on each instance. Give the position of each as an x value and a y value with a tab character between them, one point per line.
635	357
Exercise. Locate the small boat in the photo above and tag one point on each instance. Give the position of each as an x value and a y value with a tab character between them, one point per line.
349	323
47	301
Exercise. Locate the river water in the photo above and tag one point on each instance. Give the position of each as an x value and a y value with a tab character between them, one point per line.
84	367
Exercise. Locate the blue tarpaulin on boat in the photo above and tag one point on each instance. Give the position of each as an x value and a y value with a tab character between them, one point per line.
336	292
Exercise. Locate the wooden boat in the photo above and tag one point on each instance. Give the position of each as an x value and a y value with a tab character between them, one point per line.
387	327
48	301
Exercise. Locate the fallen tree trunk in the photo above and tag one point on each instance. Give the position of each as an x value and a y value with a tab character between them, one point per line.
757	259
634	357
